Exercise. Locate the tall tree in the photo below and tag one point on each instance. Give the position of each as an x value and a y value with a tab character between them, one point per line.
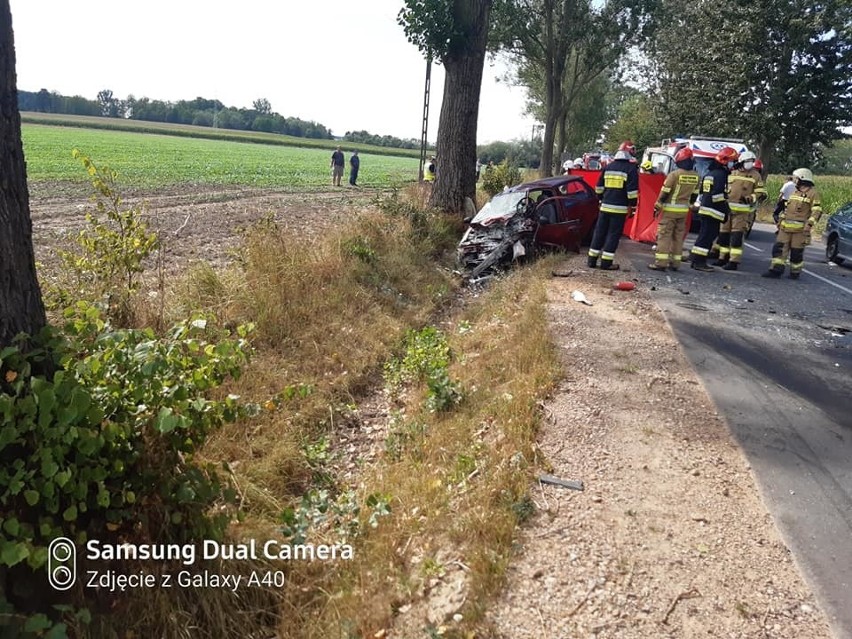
567	45
780	75
21	306
454	33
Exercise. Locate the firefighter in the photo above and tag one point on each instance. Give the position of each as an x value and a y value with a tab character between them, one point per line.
713	205
745	191
794	227
618	190
678	193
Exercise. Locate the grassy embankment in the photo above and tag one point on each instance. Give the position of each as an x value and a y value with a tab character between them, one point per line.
330	314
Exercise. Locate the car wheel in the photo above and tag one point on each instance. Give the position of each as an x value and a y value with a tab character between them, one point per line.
831	250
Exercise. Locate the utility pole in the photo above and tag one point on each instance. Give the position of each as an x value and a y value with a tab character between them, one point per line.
424	133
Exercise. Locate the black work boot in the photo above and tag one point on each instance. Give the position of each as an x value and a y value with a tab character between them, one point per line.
794	275
699	263
721	261
592	262
607	265
772	273
730	266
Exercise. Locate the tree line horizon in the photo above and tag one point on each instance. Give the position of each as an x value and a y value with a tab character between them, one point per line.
201	111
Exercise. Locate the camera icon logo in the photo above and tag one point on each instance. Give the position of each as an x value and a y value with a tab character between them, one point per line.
62	563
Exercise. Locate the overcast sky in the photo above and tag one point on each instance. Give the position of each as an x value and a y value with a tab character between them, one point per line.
343	63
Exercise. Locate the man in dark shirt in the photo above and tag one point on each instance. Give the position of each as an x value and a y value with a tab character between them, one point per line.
337	163
354	165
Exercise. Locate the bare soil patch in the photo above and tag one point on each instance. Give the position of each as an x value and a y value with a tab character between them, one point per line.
198	222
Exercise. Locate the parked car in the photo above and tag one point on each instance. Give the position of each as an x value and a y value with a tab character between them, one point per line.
552	213
838	235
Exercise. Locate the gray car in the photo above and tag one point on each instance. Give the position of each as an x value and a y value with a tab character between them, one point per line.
838	235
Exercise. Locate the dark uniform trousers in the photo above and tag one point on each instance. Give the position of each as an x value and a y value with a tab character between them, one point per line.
606	237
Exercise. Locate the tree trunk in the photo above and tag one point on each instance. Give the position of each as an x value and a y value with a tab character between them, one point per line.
21	307
561	135
455	178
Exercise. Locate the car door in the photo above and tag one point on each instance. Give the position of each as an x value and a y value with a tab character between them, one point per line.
844	231
576	213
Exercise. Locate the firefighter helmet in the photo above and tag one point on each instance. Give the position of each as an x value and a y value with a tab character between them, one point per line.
684	154
747	156
727	154
804	175
628	146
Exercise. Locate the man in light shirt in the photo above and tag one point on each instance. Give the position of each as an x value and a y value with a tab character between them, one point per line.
784	197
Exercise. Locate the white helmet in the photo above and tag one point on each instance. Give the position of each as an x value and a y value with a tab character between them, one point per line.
578	163
622	155
747	156
804	175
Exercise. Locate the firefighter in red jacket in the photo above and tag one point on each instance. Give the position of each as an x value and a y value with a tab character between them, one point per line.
618	190
745	191
794	227
678	193
713	205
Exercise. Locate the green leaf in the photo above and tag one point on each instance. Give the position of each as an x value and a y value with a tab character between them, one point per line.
70	513
37	623
166	421
59	631
13	552
62	478
12	526
49	468
32	497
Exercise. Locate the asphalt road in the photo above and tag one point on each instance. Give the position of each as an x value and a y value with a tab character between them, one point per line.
776	358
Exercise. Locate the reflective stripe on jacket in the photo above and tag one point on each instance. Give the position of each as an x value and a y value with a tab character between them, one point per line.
803	208
678	192
745	190
618	187
713	198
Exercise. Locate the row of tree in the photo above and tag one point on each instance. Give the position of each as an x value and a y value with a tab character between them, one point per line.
198	112
774	72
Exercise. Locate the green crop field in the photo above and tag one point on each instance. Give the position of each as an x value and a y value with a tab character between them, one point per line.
148	160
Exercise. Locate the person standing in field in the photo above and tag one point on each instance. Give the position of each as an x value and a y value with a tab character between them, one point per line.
794	227
431	169
354	165
678	193
337	162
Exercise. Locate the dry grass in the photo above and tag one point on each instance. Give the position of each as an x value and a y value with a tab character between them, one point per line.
460	496
328	314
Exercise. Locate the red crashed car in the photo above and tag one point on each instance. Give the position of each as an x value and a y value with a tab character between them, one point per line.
552	213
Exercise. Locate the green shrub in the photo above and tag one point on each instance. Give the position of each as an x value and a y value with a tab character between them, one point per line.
496	178
98	433
111	249
426	359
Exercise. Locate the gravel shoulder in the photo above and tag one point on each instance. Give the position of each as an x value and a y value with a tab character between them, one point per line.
669	538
